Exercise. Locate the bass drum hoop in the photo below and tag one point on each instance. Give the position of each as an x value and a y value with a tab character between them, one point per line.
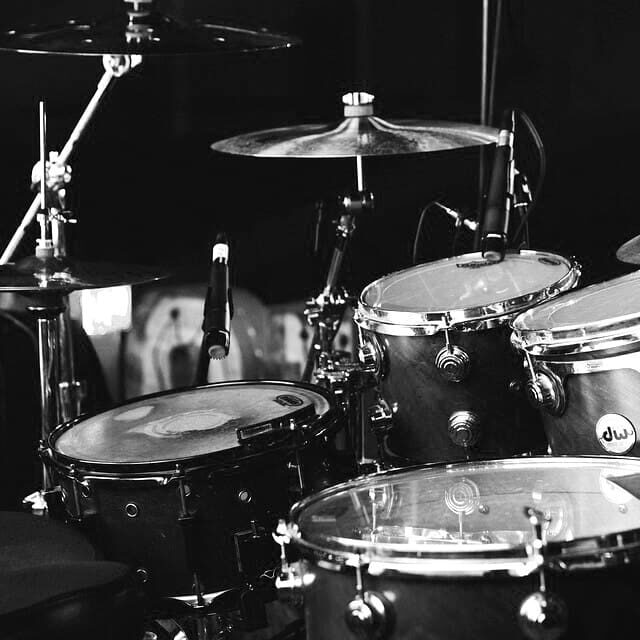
430	560
227	460
417	323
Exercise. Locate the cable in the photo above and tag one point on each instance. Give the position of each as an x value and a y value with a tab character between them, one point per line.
416	238
542	171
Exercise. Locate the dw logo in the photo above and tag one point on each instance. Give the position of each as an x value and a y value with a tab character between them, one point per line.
615	433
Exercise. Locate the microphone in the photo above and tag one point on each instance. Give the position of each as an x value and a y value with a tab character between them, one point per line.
218	307
495	223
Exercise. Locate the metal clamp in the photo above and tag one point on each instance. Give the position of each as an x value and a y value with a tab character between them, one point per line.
544	389
370	355
288	581
542	615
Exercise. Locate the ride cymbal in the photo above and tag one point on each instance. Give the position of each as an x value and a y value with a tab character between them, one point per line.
40	275
142	32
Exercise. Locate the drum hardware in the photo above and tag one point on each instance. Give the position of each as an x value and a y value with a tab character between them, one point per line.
289	581
453	362
369	615
544	389
543	615
464	428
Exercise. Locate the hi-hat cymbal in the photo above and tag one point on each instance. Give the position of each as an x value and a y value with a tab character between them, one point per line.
150	33
629	252
358	136
53	275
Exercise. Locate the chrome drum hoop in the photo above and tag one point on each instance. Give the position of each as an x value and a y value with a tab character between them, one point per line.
416	323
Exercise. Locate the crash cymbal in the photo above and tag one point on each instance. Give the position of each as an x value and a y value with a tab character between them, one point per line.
38	275
629	252
141	32
360	134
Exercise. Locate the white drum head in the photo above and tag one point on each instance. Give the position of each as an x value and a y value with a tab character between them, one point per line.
465	288
597	312
183	424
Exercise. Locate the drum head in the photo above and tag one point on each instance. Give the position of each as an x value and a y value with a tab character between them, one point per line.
473	514
597	312
464	288
175	426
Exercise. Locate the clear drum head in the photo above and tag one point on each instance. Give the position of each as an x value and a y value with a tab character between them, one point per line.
470	517
597	317
462	289
181	425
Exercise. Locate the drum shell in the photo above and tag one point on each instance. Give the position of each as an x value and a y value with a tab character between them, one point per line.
226	508
589	396
425	400
601	603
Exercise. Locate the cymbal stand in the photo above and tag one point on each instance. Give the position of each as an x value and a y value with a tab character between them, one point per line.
115	66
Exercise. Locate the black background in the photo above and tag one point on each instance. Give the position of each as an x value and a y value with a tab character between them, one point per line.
148	189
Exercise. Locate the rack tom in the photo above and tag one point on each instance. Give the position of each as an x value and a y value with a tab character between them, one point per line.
437	337
582	357
529	548
186	486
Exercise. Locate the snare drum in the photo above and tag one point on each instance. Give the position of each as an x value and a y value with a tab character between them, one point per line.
448	552
582	355
437	337
191	482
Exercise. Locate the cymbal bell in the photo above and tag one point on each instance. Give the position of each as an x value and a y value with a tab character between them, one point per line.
361	133
139	33
53	275
629	252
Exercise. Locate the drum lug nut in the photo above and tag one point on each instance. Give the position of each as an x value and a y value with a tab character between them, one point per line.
464	428
544	391
453	362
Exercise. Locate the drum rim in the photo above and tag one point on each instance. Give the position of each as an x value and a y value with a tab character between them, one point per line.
610	549
571	339
224	459
410	323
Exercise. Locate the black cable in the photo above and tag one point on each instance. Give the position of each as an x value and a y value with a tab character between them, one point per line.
542	171
416	238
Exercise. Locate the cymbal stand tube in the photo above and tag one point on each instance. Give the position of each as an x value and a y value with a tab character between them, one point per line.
115	67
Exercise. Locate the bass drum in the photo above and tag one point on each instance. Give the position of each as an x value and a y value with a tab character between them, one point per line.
582	356
460	552
186	486
437	337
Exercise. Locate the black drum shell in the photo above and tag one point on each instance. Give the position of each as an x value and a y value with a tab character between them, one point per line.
589	396
602	603
422	400
235	496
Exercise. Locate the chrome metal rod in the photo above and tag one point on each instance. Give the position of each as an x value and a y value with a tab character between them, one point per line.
43	155
359	174
85	118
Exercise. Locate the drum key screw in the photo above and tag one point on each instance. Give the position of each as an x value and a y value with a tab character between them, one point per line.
244	496
542	615
483	509
132	509
452	362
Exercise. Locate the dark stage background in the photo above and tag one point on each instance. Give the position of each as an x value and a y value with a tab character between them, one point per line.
148	189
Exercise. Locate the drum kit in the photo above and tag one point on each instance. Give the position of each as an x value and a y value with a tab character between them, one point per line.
503	494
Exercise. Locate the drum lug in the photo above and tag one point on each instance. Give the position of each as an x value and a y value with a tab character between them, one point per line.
289	582
369	615
453	362
544	390
542	615
370	355
464	428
